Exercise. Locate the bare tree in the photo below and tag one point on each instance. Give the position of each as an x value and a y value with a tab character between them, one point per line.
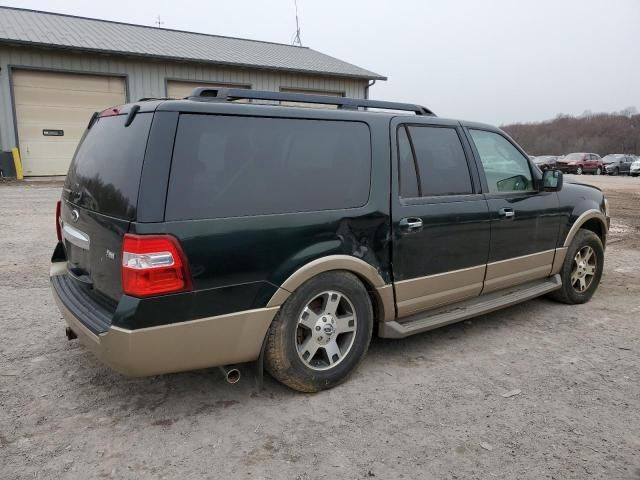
601	133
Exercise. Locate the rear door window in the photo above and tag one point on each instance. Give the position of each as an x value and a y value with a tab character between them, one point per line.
104	175
432	162
225	166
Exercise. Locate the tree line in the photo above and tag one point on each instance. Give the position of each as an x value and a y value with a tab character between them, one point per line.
601	133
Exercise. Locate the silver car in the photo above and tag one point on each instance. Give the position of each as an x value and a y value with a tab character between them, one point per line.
617	163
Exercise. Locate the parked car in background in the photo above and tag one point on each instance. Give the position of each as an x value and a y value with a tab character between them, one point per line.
545	162
580	163
635	168
617	163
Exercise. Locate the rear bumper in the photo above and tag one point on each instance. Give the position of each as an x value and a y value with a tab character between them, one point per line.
202	343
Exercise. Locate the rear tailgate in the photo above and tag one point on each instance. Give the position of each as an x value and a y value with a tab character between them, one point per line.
99	200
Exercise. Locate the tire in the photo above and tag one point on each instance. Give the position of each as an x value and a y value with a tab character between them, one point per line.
616	171
305	318
598	171
634	175
579	171
583	241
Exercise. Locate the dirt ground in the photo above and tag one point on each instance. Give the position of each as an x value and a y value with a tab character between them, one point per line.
427	407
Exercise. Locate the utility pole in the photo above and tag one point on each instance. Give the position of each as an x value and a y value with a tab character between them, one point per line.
159	22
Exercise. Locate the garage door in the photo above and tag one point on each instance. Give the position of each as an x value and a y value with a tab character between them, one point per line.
52	112
310	92
182	89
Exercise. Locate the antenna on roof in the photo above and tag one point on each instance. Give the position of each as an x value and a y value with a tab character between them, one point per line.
296	38
159	22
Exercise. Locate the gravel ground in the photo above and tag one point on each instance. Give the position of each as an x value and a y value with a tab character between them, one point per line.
430	406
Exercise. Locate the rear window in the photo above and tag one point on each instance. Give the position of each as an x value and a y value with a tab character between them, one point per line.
227	166
104	175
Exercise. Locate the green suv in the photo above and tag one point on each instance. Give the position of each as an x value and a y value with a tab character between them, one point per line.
227	228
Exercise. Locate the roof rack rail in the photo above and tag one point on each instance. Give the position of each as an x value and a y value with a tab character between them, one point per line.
150	99
347	103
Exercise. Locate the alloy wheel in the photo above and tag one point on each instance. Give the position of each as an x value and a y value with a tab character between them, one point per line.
584	269
579	171
326	330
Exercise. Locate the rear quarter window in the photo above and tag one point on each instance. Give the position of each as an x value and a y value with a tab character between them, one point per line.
104	175
225	166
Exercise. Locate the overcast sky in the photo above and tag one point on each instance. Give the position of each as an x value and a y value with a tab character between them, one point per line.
495	61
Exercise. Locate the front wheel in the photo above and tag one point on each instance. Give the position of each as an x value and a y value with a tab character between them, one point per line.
321	333
579	171
581	270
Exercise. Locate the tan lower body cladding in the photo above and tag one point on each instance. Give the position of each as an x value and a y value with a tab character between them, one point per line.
515	271
177	347
424	293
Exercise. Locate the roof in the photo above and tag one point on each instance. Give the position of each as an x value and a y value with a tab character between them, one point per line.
46	29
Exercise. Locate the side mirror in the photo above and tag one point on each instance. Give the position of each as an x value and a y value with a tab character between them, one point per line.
551	181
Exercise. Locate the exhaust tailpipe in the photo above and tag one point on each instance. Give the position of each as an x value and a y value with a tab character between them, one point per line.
231	373
71	335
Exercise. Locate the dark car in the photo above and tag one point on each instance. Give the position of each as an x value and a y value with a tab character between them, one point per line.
545	162
208	232
580	163
615	164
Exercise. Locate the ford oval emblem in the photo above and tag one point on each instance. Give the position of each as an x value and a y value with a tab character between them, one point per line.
75	215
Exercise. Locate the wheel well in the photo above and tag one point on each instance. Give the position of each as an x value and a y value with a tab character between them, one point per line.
595	225
376	301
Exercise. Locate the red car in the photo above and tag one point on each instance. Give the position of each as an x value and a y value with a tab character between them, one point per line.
581	163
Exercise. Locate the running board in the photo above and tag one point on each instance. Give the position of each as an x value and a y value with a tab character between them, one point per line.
457	312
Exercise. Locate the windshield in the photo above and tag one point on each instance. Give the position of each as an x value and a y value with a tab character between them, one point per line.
574	156
611	158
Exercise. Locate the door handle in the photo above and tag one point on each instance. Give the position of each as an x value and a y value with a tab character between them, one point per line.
411	224
506	213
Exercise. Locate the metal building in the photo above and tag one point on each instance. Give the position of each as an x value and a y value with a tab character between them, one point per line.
56	70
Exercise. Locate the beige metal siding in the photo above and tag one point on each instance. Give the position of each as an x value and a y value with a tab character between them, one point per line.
150	78
58	101
182	89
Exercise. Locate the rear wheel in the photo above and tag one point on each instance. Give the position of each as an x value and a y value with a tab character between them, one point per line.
321	333
582	269
599	171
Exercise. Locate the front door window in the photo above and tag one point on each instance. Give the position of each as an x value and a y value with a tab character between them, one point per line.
506	169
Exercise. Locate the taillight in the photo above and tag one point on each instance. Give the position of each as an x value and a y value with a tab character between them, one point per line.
153	265
58	220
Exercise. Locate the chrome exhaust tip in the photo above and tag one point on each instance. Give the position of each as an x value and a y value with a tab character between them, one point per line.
231	373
